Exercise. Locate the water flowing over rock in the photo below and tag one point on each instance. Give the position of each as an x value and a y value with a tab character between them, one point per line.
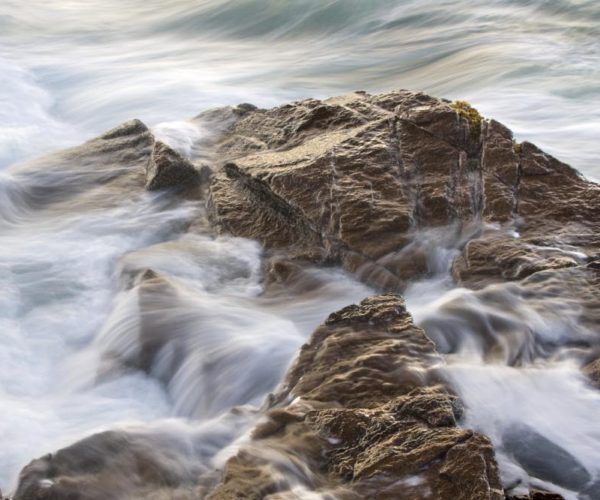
394	188
367	416
352	179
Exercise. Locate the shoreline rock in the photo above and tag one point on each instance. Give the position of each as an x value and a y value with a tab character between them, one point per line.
380	185
166	168
369	418
362	175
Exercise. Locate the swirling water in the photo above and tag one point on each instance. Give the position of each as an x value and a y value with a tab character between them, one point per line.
74	68
71	69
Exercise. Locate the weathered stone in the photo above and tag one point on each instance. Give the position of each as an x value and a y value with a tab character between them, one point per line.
368	418
362	181
98	173
352	179
167	168
592	370
111	464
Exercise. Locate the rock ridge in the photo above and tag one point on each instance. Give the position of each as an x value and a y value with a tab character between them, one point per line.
363	408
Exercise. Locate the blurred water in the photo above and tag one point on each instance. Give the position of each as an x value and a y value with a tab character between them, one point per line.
513	353
82	351
76	350
73	68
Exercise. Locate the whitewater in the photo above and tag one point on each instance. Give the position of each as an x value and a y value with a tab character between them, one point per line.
70	70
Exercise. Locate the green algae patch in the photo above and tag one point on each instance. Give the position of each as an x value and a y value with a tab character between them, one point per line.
517	147
469	113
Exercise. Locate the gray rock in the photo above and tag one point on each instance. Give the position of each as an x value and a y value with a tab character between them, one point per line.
544	459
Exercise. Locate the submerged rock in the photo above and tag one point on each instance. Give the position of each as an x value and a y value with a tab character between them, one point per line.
98	173
544	459
112	464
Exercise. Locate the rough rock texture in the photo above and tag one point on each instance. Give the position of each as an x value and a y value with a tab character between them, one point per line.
102	171
361	180
537	495
352	179
362	408
167	168
592	370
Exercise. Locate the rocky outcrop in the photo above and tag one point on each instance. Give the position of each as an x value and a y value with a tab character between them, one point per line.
353	179
364	181
379	185
363	410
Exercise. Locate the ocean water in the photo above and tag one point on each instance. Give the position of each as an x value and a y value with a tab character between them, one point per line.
70	69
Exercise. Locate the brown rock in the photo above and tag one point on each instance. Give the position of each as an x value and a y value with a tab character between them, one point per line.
362	181
592	370
368	419
101	466
167	168
98	173
352	179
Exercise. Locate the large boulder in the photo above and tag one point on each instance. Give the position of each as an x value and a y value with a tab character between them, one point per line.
353	179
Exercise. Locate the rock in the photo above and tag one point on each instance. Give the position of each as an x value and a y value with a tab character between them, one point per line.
358	180
258	213
167	168
536	494
113	464
379	184
363	409
95	174
490	259
544	459
353	179
592	370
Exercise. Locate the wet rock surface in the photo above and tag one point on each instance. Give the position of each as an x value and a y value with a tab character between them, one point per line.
352	179
368	416
98	466
79	177
545	460
167	168
537	495
363	182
